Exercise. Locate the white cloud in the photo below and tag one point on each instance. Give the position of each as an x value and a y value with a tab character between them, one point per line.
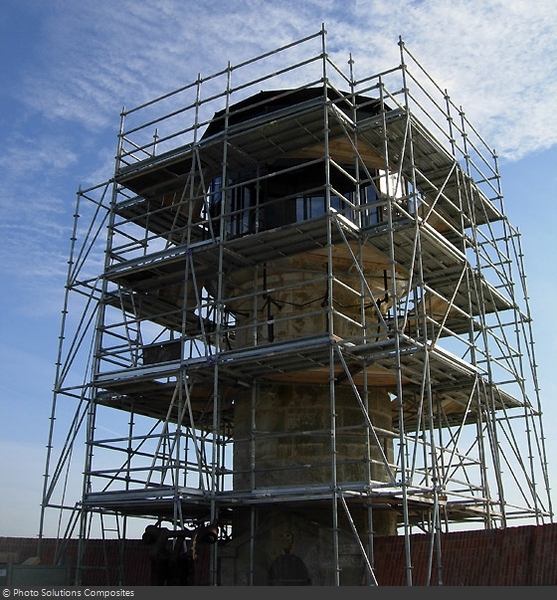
495	57
25	154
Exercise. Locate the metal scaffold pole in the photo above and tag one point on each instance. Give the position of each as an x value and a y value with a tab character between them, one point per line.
302	330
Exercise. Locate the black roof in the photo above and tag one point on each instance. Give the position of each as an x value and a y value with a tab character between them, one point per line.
269	101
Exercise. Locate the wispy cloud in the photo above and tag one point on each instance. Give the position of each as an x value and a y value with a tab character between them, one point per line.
29	153
495	57
34	216
77	63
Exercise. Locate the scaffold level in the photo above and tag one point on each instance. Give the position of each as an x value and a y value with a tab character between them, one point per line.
311	326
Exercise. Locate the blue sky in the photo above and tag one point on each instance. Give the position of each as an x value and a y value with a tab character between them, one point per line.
67	68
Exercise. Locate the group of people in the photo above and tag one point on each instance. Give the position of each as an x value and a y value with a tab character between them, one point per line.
174	554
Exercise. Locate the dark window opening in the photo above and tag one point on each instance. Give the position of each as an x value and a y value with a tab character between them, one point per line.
259	199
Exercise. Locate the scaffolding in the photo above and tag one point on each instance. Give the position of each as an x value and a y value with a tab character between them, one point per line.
344	237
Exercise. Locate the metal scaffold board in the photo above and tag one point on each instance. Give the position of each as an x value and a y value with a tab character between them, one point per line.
306	306
438	175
